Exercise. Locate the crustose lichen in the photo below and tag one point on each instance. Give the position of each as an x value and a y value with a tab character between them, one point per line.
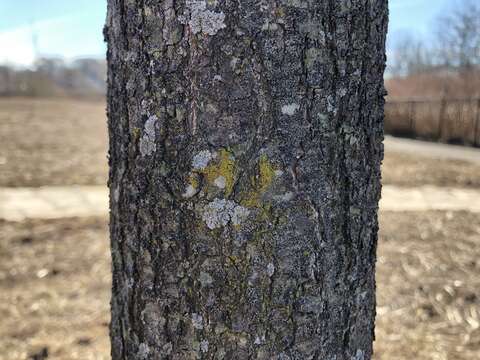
200	161
200	19
220	211
147	142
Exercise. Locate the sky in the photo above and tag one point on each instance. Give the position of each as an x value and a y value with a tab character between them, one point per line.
64	28
72	29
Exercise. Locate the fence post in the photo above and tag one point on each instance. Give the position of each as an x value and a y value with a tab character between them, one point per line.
441	119
412	119
477	125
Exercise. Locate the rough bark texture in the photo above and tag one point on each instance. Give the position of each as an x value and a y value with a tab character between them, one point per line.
245	150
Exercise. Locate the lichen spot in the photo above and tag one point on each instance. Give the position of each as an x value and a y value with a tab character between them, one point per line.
331	106
220	182
342	92
285	197
239	214
360	355
270	269
201	19
167	348
268	26
197	321
221	172
189	192
290	109
267	173
201	160
259	340
260	183
220	212
204	346
147	142
143	351
205	279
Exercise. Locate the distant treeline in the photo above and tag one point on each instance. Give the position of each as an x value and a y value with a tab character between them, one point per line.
452	45
55	77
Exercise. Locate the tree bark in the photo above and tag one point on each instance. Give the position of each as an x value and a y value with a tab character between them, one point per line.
245	151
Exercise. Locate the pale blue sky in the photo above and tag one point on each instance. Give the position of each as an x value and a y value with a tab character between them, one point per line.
68	28
74	28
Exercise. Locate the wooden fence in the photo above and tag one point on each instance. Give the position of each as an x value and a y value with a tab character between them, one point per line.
447	120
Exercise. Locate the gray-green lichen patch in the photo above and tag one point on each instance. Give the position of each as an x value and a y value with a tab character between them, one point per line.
220	182
360	355
220	212
201	19
189	191
147	142
239	214
143	351
167	348
311	57
201	160
270	269
259	340
296	3
342	92
204	346
269	26
197	321
205	279
290	109
331	105
285	197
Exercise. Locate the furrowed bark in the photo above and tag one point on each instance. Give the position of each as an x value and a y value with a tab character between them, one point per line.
245	151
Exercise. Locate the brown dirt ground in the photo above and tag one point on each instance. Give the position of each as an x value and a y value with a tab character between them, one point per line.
64	142
55	283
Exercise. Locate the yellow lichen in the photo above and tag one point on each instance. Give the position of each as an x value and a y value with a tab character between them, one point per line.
280	12
267	173
136	134
192	180
224	166
259	183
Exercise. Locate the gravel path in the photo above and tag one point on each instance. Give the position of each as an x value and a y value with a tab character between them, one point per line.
432	149
17	204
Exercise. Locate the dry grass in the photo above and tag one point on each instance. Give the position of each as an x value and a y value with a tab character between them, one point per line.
52	142
55	283
428	300
54	289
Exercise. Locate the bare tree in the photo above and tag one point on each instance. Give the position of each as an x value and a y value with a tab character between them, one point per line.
245	151
409	56
458	36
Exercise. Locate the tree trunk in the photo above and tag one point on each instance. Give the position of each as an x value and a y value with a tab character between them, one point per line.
245	151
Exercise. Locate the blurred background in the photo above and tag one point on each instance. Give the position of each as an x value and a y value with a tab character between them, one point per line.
54	248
